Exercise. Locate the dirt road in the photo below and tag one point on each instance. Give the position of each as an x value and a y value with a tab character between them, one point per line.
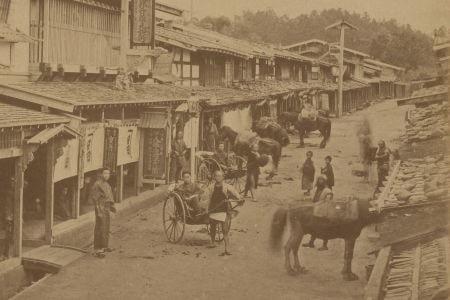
145	266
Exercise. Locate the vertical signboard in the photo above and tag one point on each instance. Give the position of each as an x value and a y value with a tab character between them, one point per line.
155	153
143	22
110	149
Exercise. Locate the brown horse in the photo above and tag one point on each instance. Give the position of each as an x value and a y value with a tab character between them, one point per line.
242	147
270	129
303	126
302	221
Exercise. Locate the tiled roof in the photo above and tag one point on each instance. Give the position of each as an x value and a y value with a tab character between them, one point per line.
13	35
15	116
382	64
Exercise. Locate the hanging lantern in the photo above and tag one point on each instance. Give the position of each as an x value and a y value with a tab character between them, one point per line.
193	104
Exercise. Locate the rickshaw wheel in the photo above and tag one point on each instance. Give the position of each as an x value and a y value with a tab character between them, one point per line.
174	218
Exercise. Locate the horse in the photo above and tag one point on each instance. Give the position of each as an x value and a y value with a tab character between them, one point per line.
266	128
322	124
241	142
302	221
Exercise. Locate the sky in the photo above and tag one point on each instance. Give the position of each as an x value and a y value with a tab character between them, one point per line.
424	15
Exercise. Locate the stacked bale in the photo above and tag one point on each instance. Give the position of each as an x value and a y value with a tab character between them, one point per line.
419	181
427	123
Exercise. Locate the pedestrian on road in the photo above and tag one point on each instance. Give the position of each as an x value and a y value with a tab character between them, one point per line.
178	164
321	194
253	171
382	157
327	170
102	196
62	204
8	215
308	171
219	210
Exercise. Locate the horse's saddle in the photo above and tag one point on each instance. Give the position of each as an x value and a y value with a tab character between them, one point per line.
337	210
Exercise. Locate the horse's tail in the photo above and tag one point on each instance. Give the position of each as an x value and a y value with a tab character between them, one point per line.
327	130
279	221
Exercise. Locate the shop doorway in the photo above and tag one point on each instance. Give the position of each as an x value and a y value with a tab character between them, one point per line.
7	201
35	197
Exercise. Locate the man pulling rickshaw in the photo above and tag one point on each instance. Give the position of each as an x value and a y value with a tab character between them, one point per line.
187	203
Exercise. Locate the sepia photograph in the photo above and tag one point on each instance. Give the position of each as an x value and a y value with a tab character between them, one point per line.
224	149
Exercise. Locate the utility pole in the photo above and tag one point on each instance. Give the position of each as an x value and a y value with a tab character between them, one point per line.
124	43
341	26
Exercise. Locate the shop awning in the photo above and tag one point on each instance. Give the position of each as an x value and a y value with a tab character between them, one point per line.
153	120
47	134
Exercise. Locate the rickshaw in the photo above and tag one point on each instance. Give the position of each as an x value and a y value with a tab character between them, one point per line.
177	213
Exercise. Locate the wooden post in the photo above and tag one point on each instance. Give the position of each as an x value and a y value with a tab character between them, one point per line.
46	25
75	198
49	191
140	166
119	183
18	208
124	45
341	70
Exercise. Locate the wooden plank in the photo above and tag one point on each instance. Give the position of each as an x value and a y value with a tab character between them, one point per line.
119	183
49	191
416	274
373	289
18	208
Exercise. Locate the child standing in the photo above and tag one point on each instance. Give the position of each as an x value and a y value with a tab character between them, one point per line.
308	172
327	170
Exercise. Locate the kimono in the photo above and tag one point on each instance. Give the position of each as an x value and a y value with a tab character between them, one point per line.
328	171
102	196
308	172
178	163
211	136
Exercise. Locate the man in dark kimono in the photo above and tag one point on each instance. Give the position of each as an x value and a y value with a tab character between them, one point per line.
253	171
190	191
221	156
178	163
102	196
8	214
327	170
382	157
211	135
308	172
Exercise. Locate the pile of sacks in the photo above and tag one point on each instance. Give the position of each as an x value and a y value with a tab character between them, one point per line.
420	180
427	123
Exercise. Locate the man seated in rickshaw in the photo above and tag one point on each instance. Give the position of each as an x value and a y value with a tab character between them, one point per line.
221	156
190	192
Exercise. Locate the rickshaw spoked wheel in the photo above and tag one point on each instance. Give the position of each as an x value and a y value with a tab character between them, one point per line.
174	218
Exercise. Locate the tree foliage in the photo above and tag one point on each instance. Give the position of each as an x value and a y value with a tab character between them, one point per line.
385	40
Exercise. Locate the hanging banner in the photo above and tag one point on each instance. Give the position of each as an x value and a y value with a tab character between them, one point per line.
128	146
154	153
67	164
110	150
191	132
143	22
94	142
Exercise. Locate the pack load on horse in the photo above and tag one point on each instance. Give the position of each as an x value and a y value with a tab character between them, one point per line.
268	128
307	124
327	219
241	144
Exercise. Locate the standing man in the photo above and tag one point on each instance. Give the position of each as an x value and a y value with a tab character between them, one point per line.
308	172
327	170
221	156
253	172
178	164
211	135
102	196
219	208
382	157
8	207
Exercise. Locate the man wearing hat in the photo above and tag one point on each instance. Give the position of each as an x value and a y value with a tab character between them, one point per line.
322	193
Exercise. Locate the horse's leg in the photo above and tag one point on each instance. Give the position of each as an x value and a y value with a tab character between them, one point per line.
301	133
323	143
287	253
347	273
299	236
